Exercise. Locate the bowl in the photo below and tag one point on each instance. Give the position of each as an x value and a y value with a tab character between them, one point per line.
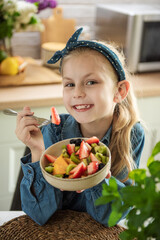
75	184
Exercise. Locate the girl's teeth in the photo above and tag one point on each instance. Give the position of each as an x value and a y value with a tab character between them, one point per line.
82	106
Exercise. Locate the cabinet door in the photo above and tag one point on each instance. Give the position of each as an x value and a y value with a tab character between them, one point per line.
10	165
152	136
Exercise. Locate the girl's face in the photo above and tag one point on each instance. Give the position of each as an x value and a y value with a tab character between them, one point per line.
88	88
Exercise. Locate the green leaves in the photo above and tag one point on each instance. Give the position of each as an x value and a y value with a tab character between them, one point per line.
109	193
155	151
8	18
143	198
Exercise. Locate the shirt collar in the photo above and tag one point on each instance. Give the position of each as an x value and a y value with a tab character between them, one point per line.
71	129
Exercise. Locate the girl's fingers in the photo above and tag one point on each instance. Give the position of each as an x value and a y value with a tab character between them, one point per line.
25	112
80	191
108	175
27	121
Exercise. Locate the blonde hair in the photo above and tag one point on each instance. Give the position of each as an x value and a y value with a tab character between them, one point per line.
124	118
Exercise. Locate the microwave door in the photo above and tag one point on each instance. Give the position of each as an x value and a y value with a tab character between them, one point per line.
150	47
133	39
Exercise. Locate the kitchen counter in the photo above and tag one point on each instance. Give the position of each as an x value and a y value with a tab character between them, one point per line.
145	85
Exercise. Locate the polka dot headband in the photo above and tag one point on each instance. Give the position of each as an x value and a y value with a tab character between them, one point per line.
73	43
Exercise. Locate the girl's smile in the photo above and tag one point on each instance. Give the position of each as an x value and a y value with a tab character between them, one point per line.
83	107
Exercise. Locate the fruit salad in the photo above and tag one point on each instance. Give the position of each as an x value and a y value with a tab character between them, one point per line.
79	158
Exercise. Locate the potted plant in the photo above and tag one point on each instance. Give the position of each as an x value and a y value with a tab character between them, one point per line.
18	16
143	220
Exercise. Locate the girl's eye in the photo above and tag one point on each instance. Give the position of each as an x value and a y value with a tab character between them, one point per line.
91	82
69	85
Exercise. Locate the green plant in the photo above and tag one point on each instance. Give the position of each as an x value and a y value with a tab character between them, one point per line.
143	220
18	16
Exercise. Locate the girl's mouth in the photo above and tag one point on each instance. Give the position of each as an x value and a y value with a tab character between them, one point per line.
83	107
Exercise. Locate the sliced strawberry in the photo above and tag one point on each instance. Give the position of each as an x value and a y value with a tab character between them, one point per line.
92	168
83	151
93	158
70	148
77	153
92	140
50	158
78	171
88	146
55	116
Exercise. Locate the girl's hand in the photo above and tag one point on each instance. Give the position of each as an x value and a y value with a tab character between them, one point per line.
108	175
28	132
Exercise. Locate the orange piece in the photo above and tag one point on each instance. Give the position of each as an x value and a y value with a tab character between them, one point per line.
60	166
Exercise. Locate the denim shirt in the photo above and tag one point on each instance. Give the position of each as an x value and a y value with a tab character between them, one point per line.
41	204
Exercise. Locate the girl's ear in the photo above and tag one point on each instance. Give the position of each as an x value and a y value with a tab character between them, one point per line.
123	88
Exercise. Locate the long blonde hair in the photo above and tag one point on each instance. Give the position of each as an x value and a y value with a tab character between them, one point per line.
124	118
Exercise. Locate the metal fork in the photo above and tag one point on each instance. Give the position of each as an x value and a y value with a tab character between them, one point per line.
41	121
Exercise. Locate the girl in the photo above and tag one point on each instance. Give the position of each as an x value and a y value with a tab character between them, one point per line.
97	94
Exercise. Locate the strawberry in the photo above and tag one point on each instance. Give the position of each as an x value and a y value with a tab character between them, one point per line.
77	153
50	158
92	168
92	140
70	148
88	146
93	158
78	171
55	116
83	151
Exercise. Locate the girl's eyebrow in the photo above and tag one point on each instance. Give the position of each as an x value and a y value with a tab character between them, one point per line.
87	75
66	78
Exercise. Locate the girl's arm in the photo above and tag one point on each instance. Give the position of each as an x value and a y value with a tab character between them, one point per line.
39	199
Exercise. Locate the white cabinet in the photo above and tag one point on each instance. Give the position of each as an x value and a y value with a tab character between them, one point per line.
11	150
150	113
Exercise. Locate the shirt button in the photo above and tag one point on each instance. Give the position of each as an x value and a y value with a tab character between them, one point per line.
29	171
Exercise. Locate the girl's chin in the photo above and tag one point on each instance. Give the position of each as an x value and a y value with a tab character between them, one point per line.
83	120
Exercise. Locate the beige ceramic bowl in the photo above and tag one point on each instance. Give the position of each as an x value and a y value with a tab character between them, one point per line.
72	184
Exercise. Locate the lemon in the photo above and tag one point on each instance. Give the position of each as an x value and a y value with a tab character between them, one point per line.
9	66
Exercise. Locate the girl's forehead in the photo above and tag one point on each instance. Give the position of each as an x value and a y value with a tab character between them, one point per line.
88	62
91	57
88	55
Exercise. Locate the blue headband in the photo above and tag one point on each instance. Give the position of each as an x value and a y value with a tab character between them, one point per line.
73	43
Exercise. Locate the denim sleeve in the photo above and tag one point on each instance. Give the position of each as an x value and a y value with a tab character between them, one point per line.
38	198
101	213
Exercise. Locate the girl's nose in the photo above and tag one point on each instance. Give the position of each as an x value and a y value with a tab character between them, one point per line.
79	91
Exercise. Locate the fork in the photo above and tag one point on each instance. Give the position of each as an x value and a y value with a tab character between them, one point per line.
41	121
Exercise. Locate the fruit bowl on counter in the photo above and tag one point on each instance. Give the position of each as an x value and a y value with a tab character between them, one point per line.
12	69
76	164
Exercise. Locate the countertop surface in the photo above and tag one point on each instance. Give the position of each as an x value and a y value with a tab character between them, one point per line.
145	85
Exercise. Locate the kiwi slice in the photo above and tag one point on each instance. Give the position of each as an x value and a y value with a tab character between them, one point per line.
69	168
49	169
75	158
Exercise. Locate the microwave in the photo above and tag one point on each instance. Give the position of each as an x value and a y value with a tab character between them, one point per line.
135	28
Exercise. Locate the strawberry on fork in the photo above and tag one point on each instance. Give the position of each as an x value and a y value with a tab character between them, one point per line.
55	116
